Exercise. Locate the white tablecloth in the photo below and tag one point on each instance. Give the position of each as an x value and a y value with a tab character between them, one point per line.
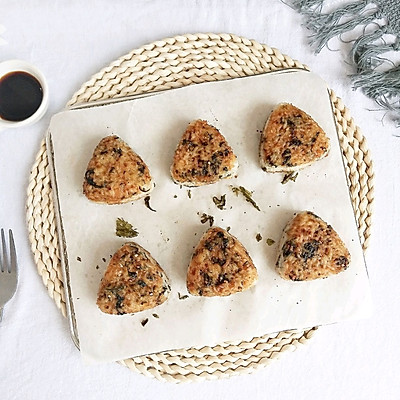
69	41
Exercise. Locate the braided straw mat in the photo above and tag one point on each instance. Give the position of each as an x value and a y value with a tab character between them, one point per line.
172	63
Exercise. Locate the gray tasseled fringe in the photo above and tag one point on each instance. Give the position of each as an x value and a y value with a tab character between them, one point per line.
376	76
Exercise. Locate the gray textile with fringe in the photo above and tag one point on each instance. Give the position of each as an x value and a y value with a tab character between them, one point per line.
375	74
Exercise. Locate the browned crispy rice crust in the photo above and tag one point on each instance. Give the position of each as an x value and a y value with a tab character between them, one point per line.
291	140
133	282
116	174
220	266
203	156
310	249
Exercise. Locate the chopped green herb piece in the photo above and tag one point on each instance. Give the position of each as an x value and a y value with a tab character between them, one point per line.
220	203
185	296
247	195
204	218
189	192
175	196
156	316
258	237
270	241
125	229
79	259
228	228
147	202
291	176
144	321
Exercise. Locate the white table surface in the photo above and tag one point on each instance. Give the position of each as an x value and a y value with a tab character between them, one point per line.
70	41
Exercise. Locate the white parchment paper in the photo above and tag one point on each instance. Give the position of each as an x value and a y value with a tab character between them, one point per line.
152	126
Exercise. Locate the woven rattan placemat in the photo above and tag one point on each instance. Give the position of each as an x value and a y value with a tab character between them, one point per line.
171	63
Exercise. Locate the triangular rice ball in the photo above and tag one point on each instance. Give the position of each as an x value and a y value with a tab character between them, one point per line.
220	266
116	174
291	140
133	282
203	156
310	249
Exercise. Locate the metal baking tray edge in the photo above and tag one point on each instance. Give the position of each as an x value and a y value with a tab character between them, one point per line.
61	242
59	226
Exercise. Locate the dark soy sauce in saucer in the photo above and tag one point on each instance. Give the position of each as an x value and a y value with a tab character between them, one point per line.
20	96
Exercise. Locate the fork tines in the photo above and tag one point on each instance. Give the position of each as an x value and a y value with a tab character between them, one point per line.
8	260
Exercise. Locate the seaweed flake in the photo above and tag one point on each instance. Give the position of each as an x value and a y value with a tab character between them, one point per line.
247	195
205	217
147	203
89	175
309	249
270	241
185	296
291	176
288	248
220	202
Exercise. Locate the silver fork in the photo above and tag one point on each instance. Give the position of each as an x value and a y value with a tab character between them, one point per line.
8	270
